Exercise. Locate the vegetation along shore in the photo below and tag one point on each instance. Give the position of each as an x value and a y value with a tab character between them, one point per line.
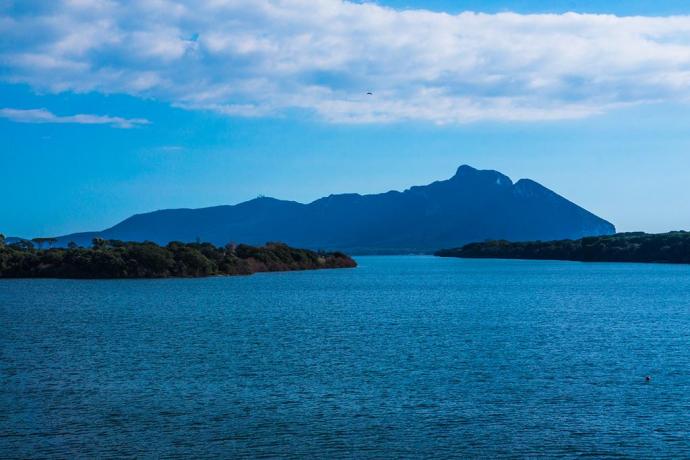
672	247
117	259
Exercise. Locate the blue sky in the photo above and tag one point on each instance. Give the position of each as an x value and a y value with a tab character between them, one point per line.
104	114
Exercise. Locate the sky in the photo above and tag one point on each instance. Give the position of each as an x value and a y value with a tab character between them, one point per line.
109	108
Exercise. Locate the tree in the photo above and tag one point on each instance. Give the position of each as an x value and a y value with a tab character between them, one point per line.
22	245
98	243
72	245
2	240
39	242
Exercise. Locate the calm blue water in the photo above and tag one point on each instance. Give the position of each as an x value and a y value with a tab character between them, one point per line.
401	357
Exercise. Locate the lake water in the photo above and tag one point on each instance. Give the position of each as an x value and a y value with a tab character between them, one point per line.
401	357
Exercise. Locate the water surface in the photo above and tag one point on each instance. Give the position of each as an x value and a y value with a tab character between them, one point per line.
401	357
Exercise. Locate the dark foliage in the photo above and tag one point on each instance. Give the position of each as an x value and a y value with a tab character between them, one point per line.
673	247
117	259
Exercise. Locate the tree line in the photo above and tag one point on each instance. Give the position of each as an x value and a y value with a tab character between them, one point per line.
672	247
118	259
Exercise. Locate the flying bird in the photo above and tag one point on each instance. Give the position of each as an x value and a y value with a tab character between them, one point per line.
369	93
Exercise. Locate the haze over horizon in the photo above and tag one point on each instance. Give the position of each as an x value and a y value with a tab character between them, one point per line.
108	111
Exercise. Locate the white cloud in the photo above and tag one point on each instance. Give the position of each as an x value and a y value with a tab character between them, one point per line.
44	116
258	58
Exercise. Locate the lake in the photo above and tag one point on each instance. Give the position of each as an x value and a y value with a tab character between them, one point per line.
400	357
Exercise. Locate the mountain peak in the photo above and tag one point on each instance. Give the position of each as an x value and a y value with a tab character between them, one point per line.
466	171
474	205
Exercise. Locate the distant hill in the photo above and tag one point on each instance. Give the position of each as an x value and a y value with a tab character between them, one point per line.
672	247
472	205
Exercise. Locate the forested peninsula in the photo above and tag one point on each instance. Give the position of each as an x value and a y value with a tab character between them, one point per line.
672	247
118	259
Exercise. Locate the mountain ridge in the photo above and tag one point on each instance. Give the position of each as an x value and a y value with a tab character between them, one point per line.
472	205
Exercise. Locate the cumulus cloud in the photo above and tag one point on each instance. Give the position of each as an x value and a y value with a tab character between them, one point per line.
270	57
45	116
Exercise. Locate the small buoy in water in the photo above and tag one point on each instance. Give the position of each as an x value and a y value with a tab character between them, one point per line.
647	378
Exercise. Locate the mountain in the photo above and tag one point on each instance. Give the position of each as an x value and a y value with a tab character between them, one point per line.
472	205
